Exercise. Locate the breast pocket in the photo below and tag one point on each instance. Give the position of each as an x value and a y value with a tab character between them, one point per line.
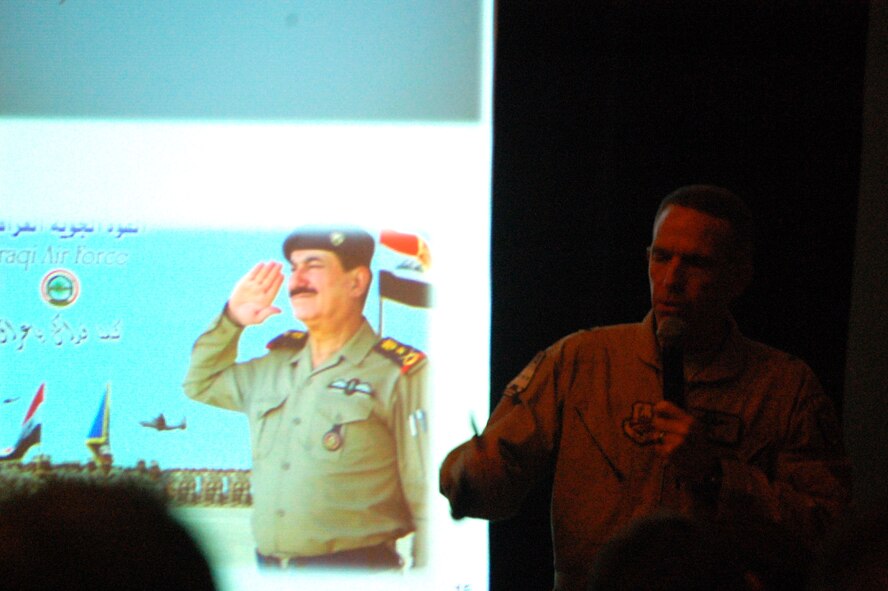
266	417
344	427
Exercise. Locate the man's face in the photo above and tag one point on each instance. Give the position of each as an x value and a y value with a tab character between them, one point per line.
690	270
321	291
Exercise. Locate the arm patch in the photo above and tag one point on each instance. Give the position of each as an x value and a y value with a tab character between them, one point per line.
404	356
294	340
519	384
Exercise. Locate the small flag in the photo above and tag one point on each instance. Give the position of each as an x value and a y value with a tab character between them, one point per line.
99	439
409	244
31	430
407	291
406	282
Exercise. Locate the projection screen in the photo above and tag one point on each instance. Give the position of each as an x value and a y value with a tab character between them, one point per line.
151	153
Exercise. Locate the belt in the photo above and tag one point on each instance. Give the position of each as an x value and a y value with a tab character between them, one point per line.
379	557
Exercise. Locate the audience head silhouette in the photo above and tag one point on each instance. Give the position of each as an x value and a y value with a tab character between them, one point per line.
78	535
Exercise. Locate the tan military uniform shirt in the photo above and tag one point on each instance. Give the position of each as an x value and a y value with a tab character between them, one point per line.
339	452
583	408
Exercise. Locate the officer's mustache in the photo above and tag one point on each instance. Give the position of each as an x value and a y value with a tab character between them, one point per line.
300	290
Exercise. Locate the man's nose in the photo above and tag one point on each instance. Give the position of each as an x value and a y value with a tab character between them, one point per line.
297	277
674	275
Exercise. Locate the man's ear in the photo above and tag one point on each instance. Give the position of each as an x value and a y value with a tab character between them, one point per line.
360	277
742	273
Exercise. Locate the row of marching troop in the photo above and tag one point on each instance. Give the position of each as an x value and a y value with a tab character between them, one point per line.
182	487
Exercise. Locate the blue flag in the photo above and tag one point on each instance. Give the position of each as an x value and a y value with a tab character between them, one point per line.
99	438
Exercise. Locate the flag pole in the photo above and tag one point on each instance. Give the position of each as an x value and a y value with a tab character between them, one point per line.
379	291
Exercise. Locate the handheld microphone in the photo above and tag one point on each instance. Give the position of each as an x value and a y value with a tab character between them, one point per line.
671	335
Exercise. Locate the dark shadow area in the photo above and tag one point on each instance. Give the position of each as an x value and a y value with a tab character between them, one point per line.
600	109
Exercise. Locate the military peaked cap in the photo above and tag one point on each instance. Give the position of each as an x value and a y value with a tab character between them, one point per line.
352	245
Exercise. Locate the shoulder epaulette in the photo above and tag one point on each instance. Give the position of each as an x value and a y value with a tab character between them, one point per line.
293	340
404	356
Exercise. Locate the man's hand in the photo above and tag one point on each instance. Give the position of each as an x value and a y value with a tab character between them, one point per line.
250	302
683	441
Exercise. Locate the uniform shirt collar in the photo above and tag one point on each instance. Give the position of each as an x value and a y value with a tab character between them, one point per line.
726	364
353	352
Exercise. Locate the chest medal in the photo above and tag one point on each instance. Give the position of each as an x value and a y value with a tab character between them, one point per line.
332	439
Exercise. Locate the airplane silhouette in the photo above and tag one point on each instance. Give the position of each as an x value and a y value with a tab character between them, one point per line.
10	400
160	423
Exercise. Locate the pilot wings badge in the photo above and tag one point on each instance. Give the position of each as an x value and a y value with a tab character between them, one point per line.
352	386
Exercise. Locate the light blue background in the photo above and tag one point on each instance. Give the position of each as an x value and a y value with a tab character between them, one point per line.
403	60
171	288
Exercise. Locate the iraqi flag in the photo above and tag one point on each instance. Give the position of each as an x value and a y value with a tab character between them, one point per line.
407	281
30	433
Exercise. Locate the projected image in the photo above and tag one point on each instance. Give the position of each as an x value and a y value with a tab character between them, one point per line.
338	415
244	260
335	462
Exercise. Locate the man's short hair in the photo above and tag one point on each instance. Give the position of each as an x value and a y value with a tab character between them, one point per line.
720	203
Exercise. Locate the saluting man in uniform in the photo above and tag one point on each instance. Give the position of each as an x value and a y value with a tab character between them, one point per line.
337	414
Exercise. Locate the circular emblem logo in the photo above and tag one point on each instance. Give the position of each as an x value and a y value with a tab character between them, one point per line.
60	288
337	238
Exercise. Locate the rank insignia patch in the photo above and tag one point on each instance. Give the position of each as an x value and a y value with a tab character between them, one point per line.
405	356
294	340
